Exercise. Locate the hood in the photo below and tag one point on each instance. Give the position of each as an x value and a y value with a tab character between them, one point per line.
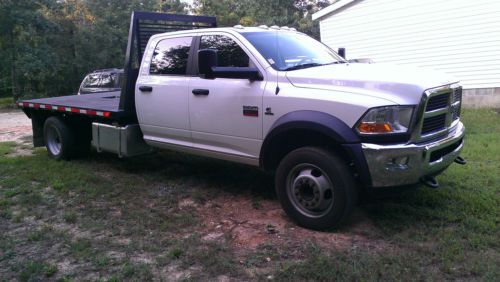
398	84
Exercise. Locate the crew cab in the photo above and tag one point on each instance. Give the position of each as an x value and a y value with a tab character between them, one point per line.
269	97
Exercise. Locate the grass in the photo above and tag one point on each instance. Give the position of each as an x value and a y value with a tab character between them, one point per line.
6	147
103	218
33	271
6	103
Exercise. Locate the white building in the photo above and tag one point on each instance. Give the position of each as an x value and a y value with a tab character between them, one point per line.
459	37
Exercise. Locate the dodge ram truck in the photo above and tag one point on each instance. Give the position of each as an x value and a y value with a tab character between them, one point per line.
269	97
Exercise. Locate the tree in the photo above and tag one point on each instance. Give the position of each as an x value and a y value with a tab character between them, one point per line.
47	46
174	6
292	13
26	54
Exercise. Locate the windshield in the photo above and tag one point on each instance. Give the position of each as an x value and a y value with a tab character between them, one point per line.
287	51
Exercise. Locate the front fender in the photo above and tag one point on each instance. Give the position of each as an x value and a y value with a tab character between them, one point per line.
326	124
330	126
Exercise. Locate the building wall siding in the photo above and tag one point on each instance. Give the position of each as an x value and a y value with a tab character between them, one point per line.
458	37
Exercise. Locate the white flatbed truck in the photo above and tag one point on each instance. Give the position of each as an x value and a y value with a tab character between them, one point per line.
269	97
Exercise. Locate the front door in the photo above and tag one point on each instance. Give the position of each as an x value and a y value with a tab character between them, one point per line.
226	114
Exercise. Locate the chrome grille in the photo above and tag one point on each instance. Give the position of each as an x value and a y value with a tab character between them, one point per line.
433	124
456	103
439	112
437	102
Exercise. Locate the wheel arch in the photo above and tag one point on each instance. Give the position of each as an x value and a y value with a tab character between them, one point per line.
313	128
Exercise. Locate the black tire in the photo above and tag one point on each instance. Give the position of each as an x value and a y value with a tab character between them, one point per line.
315	188
60	139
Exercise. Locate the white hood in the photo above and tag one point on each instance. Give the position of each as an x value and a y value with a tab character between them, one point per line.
401	85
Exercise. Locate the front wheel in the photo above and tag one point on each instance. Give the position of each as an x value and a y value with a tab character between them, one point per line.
316	188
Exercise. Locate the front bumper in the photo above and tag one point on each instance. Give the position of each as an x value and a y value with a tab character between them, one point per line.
406	164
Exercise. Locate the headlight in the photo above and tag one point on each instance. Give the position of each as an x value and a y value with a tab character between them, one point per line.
386	120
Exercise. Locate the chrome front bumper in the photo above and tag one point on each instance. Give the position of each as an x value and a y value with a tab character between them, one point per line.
406	164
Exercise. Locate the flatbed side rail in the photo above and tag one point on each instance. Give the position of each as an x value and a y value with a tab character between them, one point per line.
65	109
143	25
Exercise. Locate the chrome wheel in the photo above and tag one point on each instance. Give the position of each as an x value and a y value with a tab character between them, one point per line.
54	143
310	190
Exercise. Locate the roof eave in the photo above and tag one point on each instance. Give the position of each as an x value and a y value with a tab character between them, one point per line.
330	9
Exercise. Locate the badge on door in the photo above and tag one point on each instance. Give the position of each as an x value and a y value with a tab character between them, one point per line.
251	111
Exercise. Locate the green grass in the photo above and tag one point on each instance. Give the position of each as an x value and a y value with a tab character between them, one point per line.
6	147
117	220
35	271
6	103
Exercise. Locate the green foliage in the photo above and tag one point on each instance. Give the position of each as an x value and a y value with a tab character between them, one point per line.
6	103
47	46
292	13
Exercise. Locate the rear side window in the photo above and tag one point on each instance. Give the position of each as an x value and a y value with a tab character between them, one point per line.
229	53
171	56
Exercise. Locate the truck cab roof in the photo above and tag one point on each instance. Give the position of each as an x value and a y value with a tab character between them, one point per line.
235	29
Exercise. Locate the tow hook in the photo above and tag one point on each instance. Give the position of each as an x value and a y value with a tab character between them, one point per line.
461	161
430	181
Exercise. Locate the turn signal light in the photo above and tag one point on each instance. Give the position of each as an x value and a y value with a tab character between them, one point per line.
371	127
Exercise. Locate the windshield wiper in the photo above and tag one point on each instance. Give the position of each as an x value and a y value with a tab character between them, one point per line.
310	65
303	66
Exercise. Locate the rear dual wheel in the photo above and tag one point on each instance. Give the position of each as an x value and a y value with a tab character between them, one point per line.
62	141
315	188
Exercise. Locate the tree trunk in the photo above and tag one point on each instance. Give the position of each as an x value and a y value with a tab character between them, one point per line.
13	71
75	55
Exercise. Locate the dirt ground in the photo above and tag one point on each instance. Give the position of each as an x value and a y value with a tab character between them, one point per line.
14	125
249	225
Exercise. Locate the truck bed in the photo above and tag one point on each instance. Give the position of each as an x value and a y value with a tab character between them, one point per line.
104	104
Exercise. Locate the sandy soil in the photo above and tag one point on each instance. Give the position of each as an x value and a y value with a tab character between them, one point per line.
14	126
236	217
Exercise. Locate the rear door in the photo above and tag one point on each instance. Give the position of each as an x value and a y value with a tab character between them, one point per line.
226	114
162	94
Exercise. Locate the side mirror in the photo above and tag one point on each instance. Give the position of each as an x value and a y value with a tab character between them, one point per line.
207	59
341	52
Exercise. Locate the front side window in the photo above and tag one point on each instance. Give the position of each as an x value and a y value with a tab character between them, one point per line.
171	56
229	53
